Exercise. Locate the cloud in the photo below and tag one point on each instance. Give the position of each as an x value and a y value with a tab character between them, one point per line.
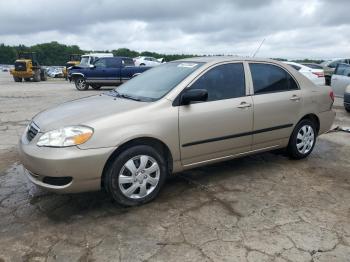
292	28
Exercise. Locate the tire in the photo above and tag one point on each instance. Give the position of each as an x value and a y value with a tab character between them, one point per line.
26	79
142	64
347	108
138	182
81	84
303	139
36	77
17	79
95	87
43	75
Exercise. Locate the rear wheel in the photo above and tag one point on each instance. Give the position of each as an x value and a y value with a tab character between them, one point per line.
302	140
95	87
80	84
17	79
136	176
43	75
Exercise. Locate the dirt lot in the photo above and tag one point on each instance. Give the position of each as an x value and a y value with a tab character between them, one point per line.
259	208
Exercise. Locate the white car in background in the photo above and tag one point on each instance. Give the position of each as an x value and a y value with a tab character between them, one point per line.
146	61
314	74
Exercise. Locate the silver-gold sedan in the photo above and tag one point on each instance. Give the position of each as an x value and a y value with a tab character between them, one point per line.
174	117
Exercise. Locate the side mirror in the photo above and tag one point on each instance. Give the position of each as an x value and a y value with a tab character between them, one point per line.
194	95
92	66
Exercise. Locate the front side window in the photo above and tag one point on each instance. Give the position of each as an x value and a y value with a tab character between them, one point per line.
342	69
100	63
223	82
269	78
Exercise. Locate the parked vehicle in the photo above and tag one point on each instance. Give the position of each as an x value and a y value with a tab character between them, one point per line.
341	79
74	59
347	99
106	71
89	59
174	117
146	61
55	72
27	68
315	75
313	65
329	67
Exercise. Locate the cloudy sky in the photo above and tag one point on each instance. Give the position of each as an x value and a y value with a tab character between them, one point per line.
292	28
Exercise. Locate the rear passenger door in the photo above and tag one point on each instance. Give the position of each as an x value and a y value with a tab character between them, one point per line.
221	126
277	103
127	69
341	79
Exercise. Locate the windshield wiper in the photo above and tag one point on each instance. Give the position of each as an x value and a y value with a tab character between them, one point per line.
117	94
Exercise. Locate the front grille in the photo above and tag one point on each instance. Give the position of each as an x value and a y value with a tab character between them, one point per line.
32	131
20	66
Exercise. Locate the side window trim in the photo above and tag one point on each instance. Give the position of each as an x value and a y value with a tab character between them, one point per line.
176	101
270	63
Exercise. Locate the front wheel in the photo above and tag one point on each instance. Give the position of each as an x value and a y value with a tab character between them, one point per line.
81	84
17	79
136	176
302	140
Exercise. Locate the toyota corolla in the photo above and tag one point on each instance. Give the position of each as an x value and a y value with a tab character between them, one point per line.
174	117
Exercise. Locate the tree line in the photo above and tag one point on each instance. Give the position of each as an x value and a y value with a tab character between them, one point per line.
54	53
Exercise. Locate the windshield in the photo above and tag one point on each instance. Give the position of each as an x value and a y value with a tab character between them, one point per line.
157	82
84	60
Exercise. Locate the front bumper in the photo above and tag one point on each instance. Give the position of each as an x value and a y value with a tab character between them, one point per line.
83	166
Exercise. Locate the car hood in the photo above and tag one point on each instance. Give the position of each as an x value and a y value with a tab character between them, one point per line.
81	111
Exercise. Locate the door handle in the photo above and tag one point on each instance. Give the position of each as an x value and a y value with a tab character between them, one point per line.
244	105
295	98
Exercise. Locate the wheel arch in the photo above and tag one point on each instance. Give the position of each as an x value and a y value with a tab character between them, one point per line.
314	118
149	141
77	75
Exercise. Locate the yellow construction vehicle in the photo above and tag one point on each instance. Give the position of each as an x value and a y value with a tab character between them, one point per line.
74	59
28	68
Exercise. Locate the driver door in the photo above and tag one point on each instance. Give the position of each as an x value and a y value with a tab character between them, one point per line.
221	126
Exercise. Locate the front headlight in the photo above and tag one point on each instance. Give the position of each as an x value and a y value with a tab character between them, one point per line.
67	136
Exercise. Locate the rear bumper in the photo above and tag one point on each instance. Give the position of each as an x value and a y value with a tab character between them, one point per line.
326	121
83	167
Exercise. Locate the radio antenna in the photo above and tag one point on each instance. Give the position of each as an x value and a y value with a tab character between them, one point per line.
257	50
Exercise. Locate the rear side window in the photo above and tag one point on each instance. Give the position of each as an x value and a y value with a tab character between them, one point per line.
113	63
223	82
128	62
269	78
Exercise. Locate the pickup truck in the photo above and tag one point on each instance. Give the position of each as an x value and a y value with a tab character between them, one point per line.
106	71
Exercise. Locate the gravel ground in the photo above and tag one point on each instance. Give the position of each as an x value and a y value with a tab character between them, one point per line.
259	208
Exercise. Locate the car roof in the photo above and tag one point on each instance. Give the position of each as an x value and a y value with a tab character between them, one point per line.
218	59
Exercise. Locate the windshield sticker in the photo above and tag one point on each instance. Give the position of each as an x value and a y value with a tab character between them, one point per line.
188	65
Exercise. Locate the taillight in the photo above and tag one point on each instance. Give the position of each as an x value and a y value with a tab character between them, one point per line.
319	74
331	95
